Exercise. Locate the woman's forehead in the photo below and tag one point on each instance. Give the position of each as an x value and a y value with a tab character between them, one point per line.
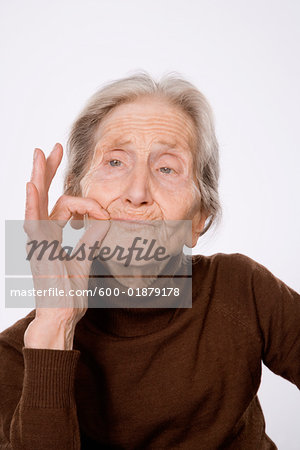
159	121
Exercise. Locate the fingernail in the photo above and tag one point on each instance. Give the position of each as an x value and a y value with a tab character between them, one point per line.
35	154
28	188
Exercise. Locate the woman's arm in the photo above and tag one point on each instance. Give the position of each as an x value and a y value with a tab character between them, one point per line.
278	314
37	406
38	409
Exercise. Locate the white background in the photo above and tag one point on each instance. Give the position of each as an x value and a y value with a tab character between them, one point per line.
244	56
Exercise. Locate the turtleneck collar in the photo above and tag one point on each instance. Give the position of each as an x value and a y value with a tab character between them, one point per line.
138	321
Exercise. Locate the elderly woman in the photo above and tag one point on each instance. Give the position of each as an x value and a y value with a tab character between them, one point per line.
147	378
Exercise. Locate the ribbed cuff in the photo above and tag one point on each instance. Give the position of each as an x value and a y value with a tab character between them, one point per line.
49	377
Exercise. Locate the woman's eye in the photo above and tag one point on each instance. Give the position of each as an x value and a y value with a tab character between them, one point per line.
115	162
166	170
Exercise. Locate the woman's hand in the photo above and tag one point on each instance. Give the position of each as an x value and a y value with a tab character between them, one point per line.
53	327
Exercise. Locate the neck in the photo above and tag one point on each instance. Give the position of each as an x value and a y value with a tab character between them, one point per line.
142	275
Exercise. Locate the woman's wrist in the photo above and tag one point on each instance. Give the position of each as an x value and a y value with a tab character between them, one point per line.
45	334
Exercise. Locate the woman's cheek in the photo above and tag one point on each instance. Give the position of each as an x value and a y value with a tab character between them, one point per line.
180	203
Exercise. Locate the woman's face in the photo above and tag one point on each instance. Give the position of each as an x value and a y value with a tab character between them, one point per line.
143	164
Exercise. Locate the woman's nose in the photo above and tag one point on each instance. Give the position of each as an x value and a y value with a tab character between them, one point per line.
137	188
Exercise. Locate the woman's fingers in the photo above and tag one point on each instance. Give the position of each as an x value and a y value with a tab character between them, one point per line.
38	169
52	163
38	179
32	213
42	174
32	202
68	206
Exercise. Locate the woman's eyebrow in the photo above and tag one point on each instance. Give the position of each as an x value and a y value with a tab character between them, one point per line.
115	141
173	149
166	143
124	141
169	145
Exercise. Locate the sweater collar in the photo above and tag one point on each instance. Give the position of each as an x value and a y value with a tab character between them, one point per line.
135	321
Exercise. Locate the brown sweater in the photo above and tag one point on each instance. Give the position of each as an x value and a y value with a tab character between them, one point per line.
164	379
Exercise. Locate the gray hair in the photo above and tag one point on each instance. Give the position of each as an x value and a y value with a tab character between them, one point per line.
178	91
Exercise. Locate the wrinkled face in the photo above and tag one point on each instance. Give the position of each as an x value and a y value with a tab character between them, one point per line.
143	164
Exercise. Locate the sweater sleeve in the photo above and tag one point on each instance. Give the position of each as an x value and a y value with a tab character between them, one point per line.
278	312
38	409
